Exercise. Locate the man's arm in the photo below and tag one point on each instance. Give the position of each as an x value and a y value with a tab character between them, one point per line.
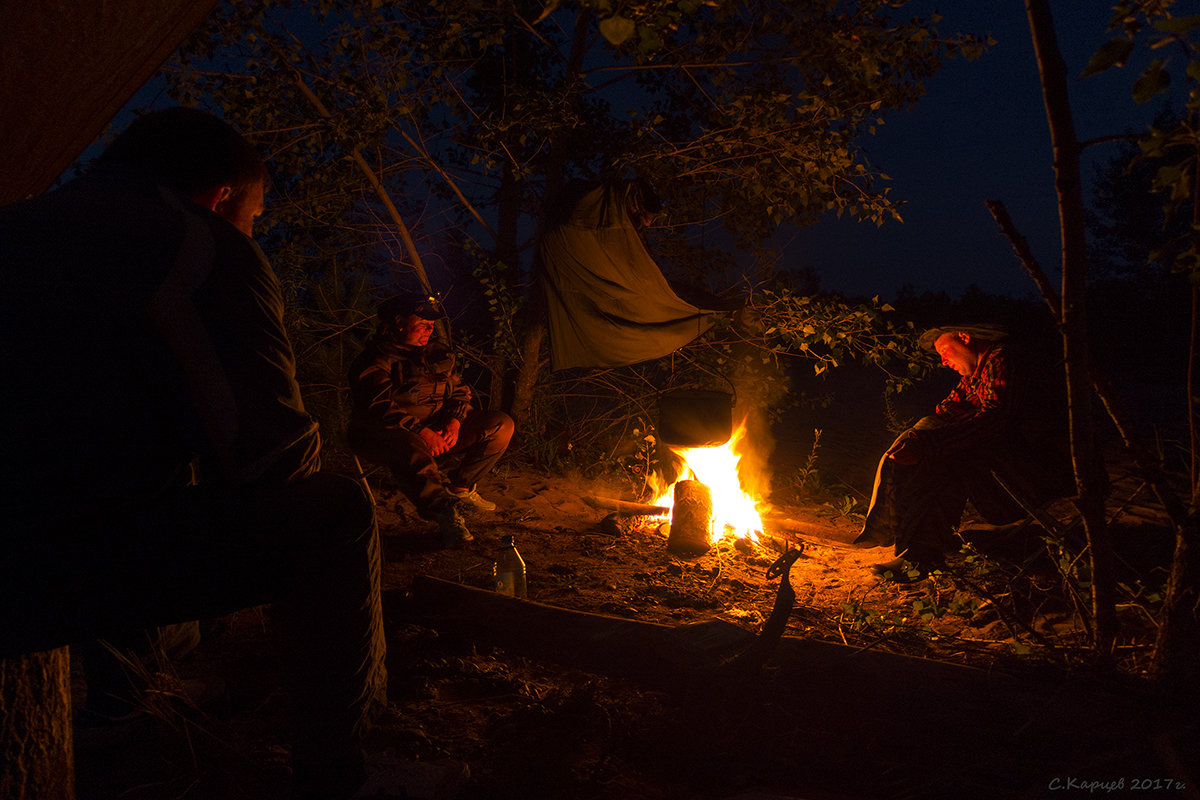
381	394
391	391
220	310
988	407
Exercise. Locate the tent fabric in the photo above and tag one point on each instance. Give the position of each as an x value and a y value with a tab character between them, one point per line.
68	68
608	303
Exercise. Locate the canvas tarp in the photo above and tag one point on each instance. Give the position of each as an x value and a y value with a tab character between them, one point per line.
67	67
608	303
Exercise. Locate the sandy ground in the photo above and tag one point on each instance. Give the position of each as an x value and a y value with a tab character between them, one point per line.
873	691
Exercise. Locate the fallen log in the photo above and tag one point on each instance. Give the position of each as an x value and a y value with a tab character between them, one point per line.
810	532
670	657
834	700
625	508
646	652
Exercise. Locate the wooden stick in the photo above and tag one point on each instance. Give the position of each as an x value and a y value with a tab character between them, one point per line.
625	508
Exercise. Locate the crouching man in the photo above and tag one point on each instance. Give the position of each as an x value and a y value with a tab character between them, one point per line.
411	410
1004	418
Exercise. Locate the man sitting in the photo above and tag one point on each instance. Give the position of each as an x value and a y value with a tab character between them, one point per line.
410	408
147	330
1003	417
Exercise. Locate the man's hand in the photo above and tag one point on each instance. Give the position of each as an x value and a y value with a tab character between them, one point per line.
450	433
435	441
906	452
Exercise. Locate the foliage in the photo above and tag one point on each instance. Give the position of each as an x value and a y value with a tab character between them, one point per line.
1129	235
1172	144
847	507
830	332
807	477
460	122
1173	147
586	415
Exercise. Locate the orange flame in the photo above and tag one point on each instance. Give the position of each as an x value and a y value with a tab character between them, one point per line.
734	511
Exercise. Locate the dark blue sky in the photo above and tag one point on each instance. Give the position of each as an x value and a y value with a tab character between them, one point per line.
979	134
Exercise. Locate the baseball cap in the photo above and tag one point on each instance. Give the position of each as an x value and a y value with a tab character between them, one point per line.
403	305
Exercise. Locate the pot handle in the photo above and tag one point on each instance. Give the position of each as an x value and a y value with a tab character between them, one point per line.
732	390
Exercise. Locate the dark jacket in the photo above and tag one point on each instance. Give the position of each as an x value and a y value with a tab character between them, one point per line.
397	387
143	333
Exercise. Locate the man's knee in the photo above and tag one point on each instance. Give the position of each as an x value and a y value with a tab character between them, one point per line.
494	427
504	427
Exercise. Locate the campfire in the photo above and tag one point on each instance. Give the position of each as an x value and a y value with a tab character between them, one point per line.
708	499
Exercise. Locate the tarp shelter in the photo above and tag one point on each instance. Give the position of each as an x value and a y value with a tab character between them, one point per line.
608	303
66	69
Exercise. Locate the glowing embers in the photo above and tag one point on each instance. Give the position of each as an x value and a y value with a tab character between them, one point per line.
708	500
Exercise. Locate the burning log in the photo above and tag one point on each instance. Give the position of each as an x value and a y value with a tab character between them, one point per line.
623	508
691	519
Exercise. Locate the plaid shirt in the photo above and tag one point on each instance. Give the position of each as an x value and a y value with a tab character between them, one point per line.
978	412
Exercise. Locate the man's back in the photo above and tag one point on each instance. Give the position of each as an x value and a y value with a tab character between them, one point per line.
127	310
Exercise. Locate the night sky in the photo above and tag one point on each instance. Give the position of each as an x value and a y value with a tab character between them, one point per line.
980	133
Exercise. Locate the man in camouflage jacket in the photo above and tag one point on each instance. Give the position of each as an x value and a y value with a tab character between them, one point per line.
410	409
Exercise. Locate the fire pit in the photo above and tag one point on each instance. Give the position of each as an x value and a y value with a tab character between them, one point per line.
708	500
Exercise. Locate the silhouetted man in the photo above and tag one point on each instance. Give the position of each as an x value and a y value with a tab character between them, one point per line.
145	341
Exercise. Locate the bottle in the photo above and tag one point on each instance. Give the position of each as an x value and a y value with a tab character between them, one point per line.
509	570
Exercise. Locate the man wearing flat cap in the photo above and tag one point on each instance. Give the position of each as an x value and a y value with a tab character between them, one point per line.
1004	419
410	408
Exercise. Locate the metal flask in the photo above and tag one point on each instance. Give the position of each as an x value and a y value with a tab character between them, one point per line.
695	417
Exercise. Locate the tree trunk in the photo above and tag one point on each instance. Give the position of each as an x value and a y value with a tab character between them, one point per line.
531	364
1177	644
36	740
1090	485
1177	647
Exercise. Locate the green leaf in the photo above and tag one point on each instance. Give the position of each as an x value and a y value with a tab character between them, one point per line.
617	30
1113	53
1154	80
1178	24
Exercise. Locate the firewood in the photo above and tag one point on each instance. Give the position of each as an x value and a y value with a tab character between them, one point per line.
691	519
625	508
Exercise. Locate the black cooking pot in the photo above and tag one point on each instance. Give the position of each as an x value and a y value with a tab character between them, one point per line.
695	417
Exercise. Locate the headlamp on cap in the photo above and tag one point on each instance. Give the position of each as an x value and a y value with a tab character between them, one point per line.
406	305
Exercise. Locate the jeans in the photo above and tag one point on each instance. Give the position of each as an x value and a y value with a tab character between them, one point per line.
919	506
482	440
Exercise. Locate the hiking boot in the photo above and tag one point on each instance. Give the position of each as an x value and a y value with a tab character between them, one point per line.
473	499
452	529
910	566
